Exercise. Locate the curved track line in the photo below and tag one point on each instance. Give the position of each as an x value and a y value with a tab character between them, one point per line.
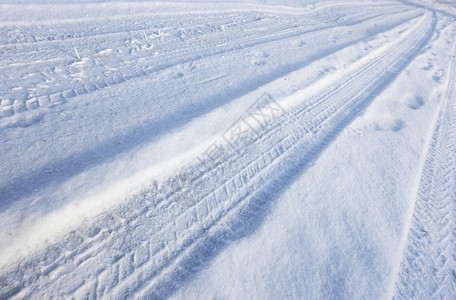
147	246
358	11
428	267
144	67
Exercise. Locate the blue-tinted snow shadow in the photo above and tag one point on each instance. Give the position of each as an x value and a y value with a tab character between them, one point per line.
254	208
76	163
409	3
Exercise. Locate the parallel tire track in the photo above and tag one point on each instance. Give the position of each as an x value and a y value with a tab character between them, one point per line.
149	245
260	29
428	267
13	34
55	94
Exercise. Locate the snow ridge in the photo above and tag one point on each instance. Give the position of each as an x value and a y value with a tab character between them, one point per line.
57	81
428	267
151	244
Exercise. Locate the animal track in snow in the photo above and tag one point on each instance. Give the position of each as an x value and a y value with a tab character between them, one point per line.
259	58
413	101
386	123
438	75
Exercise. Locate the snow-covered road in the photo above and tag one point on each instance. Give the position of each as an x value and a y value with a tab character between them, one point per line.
228	150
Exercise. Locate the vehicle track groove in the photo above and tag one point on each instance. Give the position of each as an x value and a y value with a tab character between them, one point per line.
428	263
147	246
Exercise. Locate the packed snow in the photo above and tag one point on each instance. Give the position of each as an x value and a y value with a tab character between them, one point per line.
228	150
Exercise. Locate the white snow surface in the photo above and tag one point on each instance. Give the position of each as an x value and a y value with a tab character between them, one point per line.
213	150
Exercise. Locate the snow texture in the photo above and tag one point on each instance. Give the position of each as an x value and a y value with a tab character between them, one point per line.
215	150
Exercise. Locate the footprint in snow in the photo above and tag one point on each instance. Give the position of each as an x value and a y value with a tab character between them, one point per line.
428	65
413	101
301	43
178	75
259	58
386	123
438	75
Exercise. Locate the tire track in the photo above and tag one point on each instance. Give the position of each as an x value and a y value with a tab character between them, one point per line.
309	19
252	33
306	58
13	35
296	142
139	68
22	35
428	267
147	246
